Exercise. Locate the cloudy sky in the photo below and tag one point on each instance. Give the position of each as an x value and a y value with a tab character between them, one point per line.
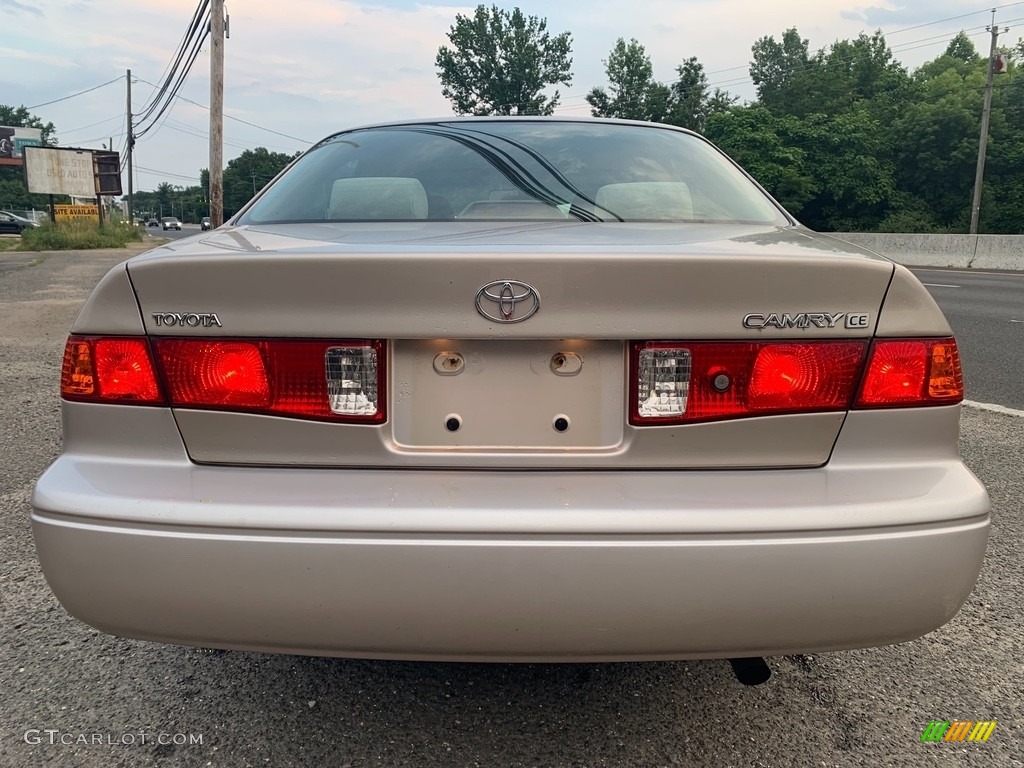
305	68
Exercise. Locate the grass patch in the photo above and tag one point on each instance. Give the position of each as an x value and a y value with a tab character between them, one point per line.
9	244
73	236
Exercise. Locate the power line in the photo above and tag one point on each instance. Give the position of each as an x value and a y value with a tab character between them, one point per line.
73	95
189	131
199	134
238	119
812	63
954	18
183	44
101	138
168	173
169	96
172	69
64	133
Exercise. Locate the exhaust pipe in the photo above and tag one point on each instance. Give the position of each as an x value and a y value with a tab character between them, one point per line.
751	671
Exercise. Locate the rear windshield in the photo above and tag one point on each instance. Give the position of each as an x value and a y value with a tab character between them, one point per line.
513	170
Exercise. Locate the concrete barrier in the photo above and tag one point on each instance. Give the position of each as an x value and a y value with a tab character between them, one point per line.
958	251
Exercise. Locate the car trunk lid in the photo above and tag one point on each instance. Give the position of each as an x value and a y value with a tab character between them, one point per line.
549	389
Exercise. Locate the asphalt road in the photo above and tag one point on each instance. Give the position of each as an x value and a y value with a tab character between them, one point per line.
986	310
187	230
859	708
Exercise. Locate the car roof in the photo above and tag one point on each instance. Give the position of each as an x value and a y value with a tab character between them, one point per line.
508	119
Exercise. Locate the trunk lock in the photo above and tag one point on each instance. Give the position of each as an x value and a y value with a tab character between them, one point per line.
721	381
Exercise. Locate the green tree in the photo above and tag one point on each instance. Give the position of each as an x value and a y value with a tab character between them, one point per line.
849	74
854	175
780	70
632	93
754	138
245	175
937	149
859	74
691	101
499	63
165	193
962	47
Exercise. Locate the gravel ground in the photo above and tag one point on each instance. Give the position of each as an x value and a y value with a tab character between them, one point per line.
860	708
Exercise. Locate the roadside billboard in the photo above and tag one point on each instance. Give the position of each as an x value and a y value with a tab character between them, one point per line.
76	213
108	172
14	139
52	171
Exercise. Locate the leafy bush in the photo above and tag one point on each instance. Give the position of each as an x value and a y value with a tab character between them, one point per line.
78	236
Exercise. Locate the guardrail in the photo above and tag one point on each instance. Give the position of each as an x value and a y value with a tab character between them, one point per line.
960	251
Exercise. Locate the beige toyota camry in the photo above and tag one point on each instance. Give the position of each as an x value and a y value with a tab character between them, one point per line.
512	389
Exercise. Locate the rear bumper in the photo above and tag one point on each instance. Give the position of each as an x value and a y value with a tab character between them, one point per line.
553	566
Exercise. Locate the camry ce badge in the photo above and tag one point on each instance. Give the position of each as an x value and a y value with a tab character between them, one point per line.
804	320
507	301
187	319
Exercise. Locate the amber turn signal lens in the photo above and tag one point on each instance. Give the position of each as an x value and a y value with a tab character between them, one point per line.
912	372
945	380
78	376
115	369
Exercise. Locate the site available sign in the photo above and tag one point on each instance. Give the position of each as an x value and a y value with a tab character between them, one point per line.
52	171
76	213
14	139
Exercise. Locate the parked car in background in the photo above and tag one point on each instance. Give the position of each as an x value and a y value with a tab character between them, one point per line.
35	216
12	224
517	389
170	222
205	224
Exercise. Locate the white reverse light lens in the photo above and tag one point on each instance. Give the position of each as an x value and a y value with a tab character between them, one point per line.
664	382
352	380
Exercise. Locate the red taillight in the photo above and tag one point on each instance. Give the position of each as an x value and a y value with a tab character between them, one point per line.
214	373
678	382
912	372
804	376
329	380
110	370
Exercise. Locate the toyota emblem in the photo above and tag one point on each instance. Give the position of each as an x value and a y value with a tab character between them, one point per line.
507	301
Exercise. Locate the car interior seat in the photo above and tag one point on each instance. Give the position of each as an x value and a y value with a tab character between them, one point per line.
647	200
377	198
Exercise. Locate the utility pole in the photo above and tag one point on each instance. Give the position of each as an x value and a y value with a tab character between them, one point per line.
216	113
131	144
986	111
